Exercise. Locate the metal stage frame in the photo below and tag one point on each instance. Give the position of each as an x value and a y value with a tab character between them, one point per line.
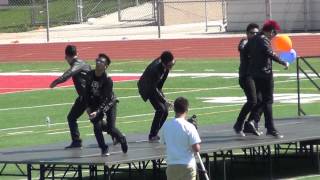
219	144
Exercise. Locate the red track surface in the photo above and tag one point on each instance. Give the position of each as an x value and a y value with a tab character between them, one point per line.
141	49
307	45
10	84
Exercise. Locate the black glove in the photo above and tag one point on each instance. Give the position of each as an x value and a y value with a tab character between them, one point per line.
193	120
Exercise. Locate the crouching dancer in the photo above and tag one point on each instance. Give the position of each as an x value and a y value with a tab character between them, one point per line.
102	102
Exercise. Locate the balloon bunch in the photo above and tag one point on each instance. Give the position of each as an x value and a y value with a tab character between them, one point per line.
283	44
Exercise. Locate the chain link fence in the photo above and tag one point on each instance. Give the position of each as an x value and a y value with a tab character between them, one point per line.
146	12
100	18
70	19
72	11
15	15
26	15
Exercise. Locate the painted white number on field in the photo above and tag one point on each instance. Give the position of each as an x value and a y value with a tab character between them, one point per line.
278	98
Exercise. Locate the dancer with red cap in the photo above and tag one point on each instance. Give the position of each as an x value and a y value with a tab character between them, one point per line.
260	69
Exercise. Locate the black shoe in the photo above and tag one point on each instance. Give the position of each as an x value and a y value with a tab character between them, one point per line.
274	133
105	151
74	144
260	131
246	128
124	144
115	141
256	125
239	132
249	128
154	139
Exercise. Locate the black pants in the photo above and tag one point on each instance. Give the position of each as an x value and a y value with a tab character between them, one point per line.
161	113
76	111
265	86
99	126
249	88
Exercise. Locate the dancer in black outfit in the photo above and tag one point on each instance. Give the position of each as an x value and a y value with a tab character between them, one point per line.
260	68
246	82
150	88
78	71
102	102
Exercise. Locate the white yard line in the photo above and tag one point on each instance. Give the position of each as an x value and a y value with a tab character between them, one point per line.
129	122
139	74
301	177
62	104
127	97
59	132
60	87
139	115
20	132
36	89
121	117
192	75
127	62
31	107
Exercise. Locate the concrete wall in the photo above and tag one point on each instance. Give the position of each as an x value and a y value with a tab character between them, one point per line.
189	12
292	15
314	14
4	2
240	13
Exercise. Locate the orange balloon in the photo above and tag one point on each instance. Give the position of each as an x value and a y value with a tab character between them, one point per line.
282	43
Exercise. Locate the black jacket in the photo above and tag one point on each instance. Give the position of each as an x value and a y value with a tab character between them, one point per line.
244	58
78	71
261	55
152	80
100	96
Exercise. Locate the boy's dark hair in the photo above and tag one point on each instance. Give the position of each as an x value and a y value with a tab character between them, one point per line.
181	105
271	25
166	57
71	51
252	26
102	55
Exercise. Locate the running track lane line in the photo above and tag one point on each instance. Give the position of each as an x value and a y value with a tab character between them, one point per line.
216	47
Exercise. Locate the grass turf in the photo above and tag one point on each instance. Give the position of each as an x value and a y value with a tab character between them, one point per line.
60	100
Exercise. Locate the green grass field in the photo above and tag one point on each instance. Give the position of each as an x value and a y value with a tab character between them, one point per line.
18	17
27	111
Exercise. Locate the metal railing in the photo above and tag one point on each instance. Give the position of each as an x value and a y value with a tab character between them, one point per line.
300	69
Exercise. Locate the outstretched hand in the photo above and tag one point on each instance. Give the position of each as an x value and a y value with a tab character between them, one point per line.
169	104
53	84
286	66
92	115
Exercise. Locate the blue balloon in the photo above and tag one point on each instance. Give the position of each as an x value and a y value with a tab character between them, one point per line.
289	57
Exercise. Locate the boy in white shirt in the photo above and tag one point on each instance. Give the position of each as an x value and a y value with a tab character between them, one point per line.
182	141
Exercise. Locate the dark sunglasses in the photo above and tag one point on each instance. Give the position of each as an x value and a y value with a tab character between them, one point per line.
171	64
253	33
100	61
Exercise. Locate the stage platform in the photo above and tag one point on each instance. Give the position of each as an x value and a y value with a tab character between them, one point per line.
215	139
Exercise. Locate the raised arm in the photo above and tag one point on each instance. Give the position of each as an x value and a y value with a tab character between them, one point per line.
76	68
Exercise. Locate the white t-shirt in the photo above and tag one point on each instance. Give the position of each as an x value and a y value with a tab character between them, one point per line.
179	135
